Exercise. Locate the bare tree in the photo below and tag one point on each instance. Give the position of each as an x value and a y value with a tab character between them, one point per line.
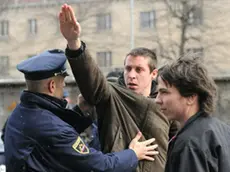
4	4
185	19
181	16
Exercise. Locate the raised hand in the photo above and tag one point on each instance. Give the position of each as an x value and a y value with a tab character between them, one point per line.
69	26
143	150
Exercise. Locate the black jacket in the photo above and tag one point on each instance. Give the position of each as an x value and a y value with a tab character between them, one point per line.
202	145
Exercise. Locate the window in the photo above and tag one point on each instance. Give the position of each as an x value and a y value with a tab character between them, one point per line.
4	28
4	65
147	19
104	22
195	16
104	59
33	26
196	50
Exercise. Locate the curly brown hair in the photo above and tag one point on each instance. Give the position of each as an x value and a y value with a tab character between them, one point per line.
190	77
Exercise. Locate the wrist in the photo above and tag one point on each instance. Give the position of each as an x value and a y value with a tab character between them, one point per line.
74	44
135	153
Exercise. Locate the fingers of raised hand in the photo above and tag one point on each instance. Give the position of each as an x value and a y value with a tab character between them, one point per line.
61	17
66	14
72	14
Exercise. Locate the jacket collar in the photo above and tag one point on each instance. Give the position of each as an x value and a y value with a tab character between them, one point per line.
40	98
191	120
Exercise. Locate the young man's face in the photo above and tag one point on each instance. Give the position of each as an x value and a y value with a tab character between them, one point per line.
137	74
172	104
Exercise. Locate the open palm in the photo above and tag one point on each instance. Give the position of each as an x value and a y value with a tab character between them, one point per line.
69	26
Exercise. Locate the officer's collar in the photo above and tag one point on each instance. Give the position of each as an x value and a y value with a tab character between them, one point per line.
60	102
58	107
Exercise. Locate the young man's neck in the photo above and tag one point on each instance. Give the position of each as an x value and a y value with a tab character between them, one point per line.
146	93
191	112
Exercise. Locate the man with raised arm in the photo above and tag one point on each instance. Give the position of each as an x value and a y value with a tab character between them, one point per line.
123	108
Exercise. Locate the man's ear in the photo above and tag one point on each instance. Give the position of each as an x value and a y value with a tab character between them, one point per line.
154	74
192	99
51	86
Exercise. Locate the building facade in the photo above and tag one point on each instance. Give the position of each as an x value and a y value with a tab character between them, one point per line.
110	28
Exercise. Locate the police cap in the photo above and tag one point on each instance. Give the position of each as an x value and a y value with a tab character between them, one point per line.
45	65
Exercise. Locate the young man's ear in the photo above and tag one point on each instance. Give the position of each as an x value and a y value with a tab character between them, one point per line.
51	86
154	74
192	99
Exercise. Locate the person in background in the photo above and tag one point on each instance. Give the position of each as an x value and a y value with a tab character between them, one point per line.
66	96
91	133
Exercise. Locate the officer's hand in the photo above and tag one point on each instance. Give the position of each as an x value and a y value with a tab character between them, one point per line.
69	26
143	149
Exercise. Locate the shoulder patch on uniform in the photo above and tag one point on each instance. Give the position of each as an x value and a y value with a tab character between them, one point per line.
80	146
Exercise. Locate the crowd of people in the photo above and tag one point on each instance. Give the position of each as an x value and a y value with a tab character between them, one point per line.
144	119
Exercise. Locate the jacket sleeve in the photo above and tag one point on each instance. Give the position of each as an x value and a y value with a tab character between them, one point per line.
190	160
73	154
91	81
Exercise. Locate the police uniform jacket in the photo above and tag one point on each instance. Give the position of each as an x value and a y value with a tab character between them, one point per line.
121	112
38	138
202	145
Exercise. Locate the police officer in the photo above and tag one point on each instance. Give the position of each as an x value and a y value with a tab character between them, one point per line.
42	135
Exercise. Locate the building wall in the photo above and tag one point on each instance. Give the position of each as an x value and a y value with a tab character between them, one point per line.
20	44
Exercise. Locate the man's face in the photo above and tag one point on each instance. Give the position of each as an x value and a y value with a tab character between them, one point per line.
59	86
172	104
137	74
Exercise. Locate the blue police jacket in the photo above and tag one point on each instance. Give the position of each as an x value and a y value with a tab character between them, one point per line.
42	135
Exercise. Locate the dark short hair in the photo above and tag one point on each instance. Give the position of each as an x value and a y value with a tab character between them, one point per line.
190	77
145	52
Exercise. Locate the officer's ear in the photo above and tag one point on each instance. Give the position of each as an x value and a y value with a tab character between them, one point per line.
52	86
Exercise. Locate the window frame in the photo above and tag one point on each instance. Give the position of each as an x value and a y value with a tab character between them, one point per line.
148	19
104	22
